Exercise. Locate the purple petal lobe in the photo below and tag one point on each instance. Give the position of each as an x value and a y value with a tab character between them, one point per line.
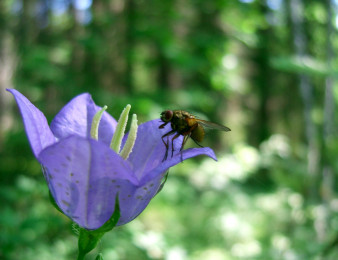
151	182
84	177
76	118
176	159
36	125
148	151
134	201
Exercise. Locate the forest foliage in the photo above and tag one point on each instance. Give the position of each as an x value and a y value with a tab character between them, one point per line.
266	69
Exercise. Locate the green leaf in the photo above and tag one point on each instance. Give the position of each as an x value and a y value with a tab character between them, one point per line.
99	257
111	223
303	65
163	182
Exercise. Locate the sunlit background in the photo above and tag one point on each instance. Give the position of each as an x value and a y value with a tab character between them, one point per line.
266	69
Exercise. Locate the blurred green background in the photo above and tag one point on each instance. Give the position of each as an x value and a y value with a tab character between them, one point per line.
267	69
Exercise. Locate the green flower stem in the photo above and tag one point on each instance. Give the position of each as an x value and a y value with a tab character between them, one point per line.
87	242
99	257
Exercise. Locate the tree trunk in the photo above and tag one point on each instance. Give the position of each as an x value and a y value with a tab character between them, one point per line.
328	177
306	92
130	44
7	67
262	82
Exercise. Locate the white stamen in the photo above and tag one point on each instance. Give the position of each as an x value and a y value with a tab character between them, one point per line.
116	141
94	130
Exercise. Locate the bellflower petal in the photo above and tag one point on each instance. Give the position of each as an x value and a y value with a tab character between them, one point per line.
84	177
162	168
148	151
36	125
136	200
76	118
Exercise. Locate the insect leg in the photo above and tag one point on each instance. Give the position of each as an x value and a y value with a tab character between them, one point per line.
172	144
197	143
186	135
163	125
185	139
166	144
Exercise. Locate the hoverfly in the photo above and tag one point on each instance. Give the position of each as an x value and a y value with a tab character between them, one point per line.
184	123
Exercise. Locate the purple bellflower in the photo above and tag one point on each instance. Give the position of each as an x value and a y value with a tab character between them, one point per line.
84	174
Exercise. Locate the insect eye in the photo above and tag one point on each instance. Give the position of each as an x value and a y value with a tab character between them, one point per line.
168	114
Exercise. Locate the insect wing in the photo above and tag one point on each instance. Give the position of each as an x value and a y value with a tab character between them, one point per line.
213	125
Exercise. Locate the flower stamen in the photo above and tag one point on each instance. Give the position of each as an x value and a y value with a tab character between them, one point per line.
116	141
94	130
128	147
